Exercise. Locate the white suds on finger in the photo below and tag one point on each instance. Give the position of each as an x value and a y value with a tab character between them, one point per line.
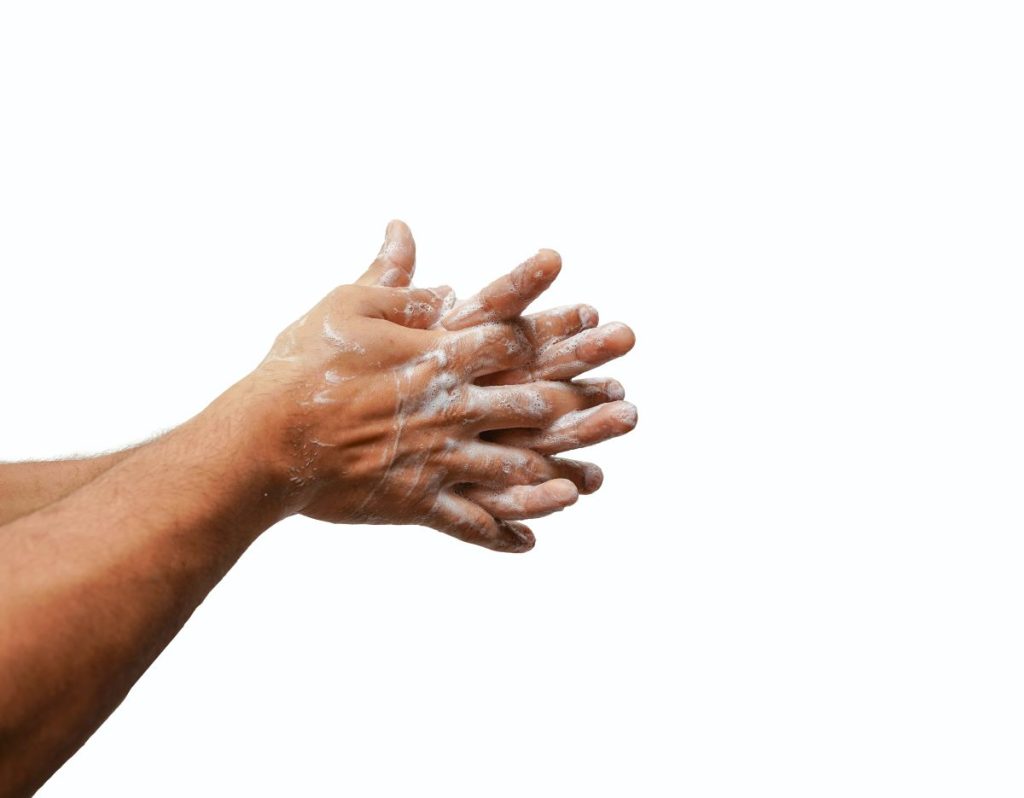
439	396
413	309
452	510
525	402
588	316
462	311
625	412
391	277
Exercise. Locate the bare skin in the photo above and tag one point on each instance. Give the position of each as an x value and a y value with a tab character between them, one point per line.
367	409
392	411
27	487
555	336
564	343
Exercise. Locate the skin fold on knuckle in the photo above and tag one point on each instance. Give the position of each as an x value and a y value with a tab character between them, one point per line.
492	347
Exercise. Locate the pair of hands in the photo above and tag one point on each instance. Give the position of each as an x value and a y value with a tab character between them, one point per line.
383	404
398	405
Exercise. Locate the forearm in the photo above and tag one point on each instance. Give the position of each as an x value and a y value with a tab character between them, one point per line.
27	487
95	585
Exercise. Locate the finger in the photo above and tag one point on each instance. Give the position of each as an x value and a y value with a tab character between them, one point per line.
396	261
552	326
547	329
574	430
587	350
522	532
461	518
535	404
488	348
605	388
587	477
494	466
409	307
488	464
524	501
508	296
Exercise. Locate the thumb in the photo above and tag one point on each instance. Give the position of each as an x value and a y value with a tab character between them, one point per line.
396	261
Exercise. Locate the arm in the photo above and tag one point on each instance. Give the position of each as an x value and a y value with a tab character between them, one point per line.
364	411
564	339
27	487
96	584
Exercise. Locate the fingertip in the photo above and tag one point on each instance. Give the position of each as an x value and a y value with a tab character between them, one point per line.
548	263
531	278
623	334
615	390
625	413
564	491
517	538
399	247
593	477
588	317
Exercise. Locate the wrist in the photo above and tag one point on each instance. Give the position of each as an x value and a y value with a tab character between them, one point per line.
252	429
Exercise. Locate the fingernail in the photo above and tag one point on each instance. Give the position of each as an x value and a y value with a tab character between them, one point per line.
593	477
521	539
525	543
615	390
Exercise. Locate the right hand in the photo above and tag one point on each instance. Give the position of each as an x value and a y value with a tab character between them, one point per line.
379	418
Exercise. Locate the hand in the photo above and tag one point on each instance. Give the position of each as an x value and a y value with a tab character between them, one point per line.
379	418
566	343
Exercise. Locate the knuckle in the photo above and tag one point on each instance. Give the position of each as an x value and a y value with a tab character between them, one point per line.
531	404
346	297
517	345
538	467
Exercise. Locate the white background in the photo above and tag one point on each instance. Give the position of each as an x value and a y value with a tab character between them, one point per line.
803	576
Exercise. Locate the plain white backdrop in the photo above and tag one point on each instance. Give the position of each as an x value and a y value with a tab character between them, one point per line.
803	575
